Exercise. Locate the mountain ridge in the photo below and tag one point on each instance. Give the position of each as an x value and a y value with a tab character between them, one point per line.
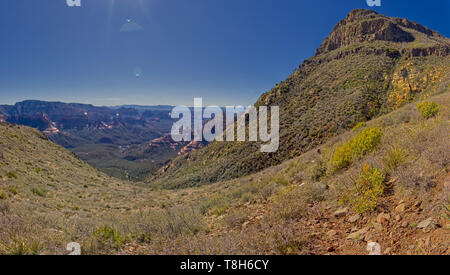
347	81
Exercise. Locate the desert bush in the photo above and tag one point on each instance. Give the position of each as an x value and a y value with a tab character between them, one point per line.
3	195
289	240
246	197
181	220
18	246
447	210
281	179
37	192
220	210
217	201
316	170
108	238
4	207
359	126
368	188
267	190
395	157
235	218
364	142
314	192
167	223
428	109
12	175
13	190
288	203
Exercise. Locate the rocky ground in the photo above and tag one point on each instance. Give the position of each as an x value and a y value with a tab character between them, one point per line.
400	227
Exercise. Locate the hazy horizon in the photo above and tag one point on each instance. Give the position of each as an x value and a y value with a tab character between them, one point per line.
109	53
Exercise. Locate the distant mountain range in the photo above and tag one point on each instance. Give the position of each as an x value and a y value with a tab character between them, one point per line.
46	116
143	107
128	142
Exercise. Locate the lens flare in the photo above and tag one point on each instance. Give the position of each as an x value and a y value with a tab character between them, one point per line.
137	72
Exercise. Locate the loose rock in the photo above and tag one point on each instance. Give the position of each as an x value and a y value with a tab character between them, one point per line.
400	208
331	233
427	225
378	226
354	218
383	218
358	234
341	212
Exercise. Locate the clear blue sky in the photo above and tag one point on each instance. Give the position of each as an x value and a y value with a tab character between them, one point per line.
226	51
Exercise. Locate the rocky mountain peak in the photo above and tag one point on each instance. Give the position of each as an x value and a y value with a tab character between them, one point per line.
359	14
367	26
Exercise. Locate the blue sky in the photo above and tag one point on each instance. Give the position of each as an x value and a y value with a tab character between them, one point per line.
111	52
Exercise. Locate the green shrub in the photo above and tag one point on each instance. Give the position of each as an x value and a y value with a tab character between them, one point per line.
395	157
364	142
447	211
107	237
12	175
314	192
246	197
220	210
21	247
3	195
13	190
359	126
280	179
219	201
315	171
428	109
289	203
179	220
236	218
37	192
4	208
368	188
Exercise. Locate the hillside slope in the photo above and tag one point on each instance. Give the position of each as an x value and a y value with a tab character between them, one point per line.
395	193
49	198
369	65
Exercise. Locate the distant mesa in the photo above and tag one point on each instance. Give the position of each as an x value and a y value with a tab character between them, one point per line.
52	116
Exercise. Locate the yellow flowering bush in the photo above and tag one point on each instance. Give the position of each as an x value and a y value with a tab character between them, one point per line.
364	142
368	188
428	109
